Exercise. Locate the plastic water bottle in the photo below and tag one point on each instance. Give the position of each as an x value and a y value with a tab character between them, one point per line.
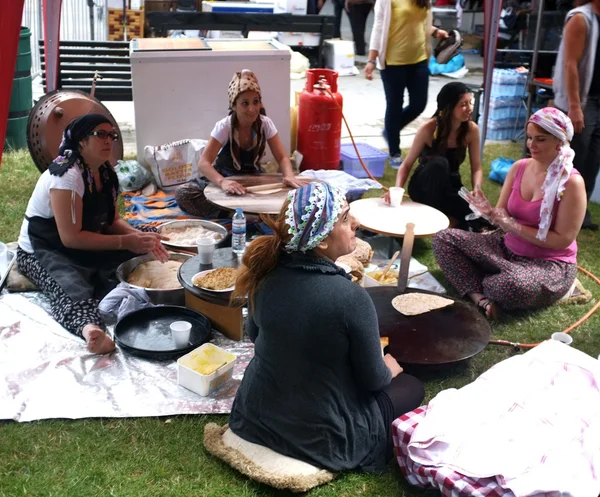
238	232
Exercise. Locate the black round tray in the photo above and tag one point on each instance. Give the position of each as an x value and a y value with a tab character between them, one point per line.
146	332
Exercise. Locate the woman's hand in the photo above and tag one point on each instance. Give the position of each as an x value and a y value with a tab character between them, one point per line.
503	220
145	243
230	186
440	34
386	197
369	70
477	202
392	365
294	182
576	116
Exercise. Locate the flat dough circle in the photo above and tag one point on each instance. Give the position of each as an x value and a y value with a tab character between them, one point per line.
268	192
413	304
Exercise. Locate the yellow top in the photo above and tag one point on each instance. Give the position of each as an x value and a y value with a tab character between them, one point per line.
407	42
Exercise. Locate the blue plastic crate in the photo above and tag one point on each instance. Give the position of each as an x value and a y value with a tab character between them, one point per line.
373	158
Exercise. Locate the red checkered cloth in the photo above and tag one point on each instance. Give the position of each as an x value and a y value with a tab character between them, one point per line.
447	481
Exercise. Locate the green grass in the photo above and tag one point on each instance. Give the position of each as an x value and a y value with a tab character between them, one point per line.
165	456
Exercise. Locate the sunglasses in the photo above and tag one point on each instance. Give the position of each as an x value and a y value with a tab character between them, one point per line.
103	135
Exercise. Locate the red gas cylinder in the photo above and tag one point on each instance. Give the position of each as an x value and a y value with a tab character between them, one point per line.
320	121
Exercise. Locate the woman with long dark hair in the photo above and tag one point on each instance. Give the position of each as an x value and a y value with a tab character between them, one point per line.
400	47
318	388
236	146
441	146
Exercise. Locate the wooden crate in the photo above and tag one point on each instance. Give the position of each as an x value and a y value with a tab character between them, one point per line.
135	24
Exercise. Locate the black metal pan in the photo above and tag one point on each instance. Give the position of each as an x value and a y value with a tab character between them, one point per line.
147	333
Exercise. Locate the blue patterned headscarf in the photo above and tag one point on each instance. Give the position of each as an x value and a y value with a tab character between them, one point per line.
311	215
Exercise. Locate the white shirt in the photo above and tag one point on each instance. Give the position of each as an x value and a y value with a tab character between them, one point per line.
221	130
39	204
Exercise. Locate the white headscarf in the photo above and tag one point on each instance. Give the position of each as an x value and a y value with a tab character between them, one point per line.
559	125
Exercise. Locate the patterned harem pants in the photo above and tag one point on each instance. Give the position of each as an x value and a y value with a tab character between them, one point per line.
481	263
72	315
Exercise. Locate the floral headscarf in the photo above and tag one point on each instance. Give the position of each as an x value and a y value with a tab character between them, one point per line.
559	125
245	80
311	215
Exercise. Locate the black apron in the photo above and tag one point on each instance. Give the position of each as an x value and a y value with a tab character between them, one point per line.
82	274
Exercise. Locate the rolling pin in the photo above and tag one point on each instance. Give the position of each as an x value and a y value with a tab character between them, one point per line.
407	246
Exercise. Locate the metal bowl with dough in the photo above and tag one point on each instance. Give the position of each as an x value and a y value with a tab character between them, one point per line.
157	296
186	223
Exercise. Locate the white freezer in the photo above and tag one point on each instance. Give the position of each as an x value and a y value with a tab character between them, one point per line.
180	90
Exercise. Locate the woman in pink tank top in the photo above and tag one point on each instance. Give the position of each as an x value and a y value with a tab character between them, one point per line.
531	261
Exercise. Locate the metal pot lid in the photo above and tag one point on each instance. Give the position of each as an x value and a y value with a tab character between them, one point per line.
51	115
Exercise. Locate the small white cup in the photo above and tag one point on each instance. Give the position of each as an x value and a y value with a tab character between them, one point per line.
396	193
180	331
561	337
3	259
206	248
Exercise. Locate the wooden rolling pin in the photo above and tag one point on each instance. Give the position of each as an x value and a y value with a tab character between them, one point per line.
262	188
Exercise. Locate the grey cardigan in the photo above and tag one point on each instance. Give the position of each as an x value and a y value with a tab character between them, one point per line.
308	393
586	64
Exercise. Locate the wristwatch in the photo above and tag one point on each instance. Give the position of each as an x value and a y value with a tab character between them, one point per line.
370	61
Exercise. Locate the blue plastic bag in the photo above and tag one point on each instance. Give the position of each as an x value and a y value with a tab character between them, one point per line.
500	168
453	65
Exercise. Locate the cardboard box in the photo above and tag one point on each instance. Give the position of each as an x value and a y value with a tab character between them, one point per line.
296	7
339	56
291	39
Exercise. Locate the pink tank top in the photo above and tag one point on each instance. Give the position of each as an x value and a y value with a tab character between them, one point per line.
528	214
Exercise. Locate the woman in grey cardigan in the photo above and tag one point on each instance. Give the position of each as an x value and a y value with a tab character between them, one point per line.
318	388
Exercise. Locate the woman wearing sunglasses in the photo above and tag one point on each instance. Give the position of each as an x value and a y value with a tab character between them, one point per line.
72	238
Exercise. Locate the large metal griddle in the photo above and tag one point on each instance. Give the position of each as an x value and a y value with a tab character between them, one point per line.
51	115
443	336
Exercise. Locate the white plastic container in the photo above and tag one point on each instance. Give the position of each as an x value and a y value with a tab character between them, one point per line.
205	384
371	282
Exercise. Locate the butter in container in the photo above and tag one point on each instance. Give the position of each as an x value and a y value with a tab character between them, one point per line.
205	369
373	278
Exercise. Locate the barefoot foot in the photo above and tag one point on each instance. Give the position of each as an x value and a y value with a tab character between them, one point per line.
98	342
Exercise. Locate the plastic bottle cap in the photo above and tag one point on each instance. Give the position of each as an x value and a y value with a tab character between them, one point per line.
238	209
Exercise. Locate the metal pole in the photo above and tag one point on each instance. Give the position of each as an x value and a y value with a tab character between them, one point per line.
532	68
91	9
490	55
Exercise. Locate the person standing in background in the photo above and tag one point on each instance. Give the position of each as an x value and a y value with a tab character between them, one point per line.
576	86
400	47
358	11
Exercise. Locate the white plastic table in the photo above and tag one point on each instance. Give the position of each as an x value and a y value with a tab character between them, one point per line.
376	215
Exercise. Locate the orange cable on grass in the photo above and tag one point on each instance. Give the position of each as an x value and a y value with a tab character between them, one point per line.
567	330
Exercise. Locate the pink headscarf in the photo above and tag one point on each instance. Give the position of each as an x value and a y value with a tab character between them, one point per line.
559	125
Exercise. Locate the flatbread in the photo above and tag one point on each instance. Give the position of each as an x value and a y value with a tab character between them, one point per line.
413	304
156	274
268	192
356	268
219	279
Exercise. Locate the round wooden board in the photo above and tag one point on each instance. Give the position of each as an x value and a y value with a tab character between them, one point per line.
376	215
254	203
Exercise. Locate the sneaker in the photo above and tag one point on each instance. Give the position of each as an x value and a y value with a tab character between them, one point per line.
396	161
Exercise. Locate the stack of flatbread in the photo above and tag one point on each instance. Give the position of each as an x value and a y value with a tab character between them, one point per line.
358	260
363	252
357	270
